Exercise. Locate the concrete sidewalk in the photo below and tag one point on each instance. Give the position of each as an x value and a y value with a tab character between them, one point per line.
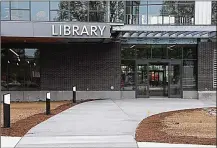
9	142
102	123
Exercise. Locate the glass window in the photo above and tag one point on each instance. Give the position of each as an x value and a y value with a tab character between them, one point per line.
185	13
128	53
214	12
97	17
21	70
97	5
54	5
79	11
155	14
20	15
97	11
170	12
117	9
143	14
54	16
174	52
127	75
189	75
190	52
143	52
5	11
154	2
4	68
40	11
19	5
159	51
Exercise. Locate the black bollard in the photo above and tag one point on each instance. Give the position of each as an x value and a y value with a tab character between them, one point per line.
6	110
48	103
74	94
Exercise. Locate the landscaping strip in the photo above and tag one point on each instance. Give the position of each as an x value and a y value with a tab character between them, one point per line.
152	129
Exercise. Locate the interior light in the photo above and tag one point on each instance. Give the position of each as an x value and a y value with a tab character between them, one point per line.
14	52
132	46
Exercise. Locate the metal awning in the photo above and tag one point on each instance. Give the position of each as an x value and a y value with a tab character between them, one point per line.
137	31
167	34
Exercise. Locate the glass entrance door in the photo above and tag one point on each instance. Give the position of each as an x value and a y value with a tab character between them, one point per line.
142	80
175	80
158	79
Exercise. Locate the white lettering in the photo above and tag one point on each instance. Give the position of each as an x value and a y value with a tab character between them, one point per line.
53	31
84	30
66	30
101	30
75	30
93	30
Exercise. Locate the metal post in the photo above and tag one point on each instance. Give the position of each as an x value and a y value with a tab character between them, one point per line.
6	110
74	94
48	103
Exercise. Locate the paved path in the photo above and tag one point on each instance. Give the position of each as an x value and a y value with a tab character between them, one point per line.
102	123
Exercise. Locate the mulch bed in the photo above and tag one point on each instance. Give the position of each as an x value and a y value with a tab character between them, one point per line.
21	127
149	130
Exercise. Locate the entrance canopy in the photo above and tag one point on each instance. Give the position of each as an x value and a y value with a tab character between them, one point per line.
134	31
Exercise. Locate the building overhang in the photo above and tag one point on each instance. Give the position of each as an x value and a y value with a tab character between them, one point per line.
136	31
64	30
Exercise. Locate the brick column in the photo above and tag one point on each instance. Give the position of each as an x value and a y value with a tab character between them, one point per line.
205	66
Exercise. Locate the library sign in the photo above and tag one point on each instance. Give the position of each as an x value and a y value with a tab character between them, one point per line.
81	31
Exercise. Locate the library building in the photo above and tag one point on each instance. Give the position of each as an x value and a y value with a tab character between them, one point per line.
108	49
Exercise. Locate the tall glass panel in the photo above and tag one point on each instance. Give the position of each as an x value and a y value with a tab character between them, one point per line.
189	80
97	11
169	12
142	80
127	75
59	11
5	11
117	9
155	14
79	11
175	80
39	11
186	13
214	12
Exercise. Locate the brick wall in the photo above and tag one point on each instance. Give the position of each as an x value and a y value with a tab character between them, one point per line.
205	65
93	67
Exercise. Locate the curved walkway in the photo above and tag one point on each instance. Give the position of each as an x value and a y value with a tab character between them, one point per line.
102	123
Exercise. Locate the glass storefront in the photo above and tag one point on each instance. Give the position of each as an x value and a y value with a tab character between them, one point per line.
129	12
20	69
149	66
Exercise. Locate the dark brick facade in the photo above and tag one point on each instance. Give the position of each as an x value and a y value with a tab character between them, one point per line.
205	65
93	67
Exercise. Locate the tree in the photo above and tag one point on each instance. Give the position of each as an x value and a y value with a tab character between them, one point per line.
95	11
183	11
117	11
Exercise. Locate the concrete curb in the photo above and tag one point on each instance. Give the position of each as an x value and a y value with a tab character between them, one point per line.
168	145
9	142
